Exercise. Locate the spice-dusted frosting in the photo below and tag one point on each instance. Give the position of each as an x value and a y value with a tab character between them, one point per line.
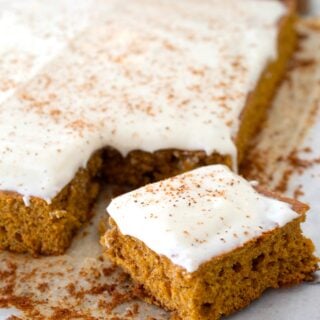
33	33
198	215
140	74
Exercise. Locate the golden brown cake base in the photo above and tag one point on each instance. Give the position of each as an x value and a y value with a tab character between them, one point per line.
224	284
48	229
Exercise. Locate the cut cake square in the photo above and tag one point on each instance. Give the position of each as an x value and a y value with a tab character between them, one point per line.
206	243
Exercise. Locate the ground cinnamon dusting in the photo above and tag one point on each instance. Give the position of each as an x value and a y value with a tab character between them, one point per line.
88	286
110	296
301	63
296	165
298	192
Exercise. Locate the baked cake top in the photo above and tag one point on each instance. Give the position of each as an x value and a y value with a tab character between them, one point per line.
138	74
198	215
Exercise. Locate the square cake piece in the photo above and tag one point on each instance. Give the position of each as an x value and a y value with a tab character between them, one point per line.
206	243
137	95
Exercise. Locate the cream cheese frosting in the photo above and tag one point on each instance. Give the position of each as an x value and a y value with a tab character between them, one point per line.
196	216
33	33
138	74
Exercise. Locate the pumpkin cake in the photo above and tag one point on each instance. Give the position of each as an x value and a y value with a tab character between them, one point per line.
206	243
136	94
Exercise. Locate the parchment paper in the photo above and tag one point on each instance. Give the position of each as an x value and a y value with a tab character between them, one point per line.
79	285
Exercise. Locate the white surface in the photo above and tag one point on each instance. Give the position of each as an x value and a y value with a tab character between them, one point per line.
165	78
299	303
315	6
198	215
5	313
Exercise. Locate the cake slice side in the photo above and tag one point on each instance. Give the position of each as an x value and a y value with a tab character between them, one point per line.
260	100
223	285
206	243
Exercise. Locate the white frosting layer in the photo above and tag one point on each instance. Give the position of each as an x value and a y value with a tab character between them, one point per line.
33	33
198	215
136	74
